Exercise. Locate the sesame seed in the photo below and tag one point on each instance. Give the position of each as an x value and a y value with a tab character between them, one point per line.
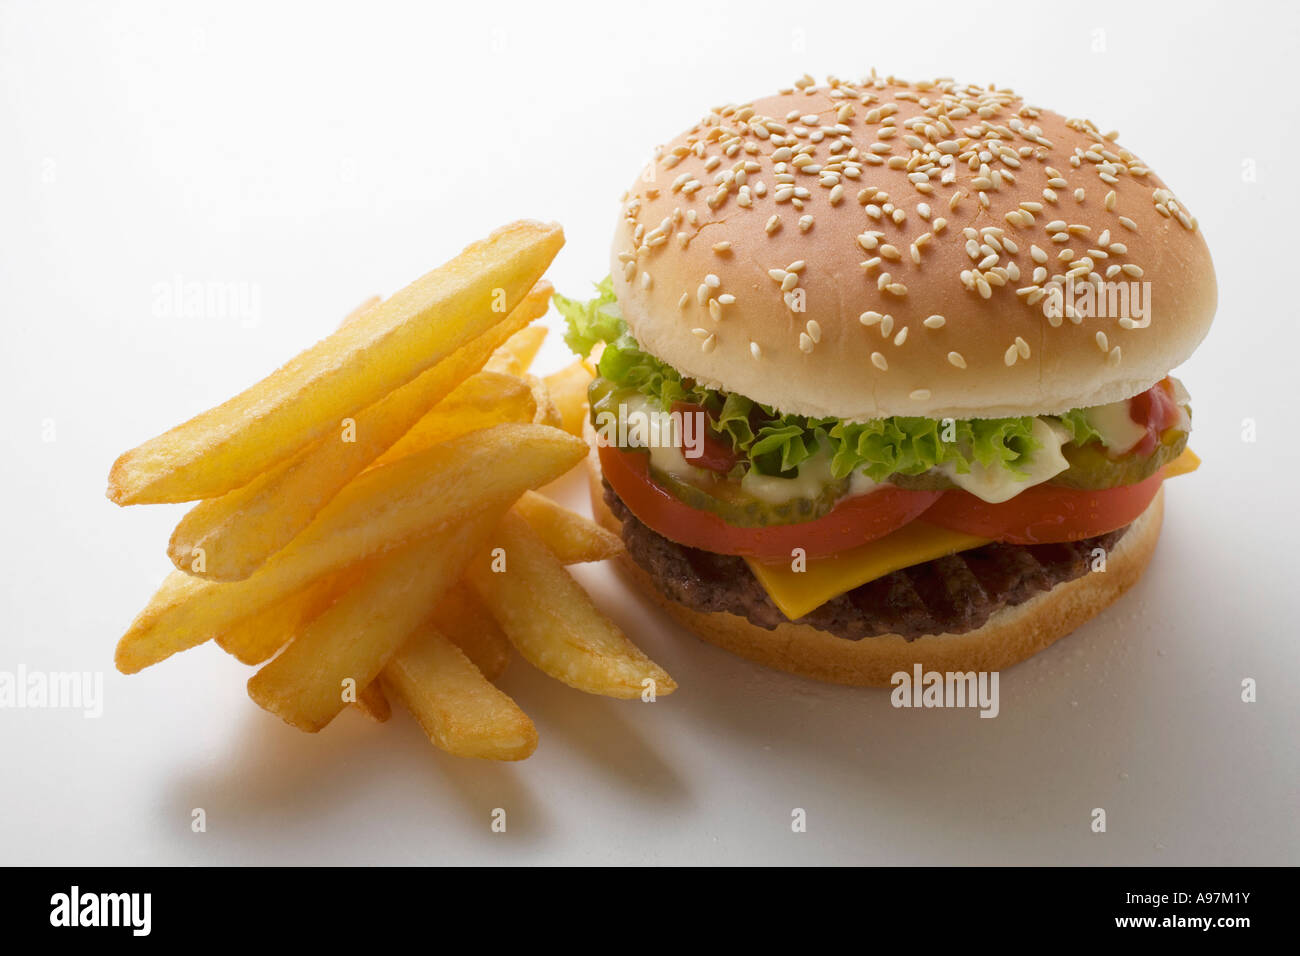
755	351
870	318
920	394
955	358
878	360
934	322
805	342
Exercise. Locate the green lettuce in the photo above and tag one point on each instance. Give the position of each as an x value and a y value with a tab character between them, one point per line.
776	444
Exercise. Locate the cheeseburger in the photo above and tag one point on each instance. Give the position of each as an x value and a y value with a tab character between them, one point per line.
881	375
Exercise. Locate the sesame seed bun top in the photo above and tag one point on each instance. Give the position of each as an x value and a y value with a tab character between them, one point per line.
890	248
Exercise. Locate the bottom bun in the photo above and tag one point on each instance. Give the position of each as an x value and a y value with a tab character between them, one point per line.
1008	637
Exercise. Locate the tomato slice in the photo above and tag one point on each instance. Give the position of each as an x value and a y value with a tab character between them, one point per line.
1046	513
852	522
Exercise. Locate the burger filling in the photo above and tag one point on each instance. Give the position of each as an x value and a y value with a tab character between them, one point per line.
948	595
718	472
753	465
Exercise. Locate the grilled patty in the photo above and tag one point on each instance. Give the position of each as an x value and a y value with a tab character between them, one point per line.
945	596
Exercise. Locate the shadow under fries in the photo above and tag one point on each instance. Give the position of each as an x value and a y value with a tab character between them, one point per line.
606	733
276	778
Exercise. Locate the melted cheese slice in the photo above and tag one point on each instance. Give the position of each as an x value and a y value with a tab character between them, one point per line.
798	593
1184	464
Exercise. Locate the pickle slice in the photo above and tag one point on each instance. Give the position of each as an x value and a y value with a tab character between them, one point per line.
726	499
1092	469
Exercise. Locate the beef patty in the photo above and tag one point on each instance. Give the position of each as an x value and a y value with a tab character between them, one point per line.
949	595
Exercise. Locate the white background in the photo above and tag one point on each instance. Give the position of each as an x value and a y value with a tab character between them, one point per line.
318	155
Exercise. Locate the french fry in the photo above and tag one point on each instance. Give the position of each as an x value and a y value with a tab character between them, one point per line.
362	308
228	446
571	537
361	631
459	708
372	702
380	508
568	388
552	622
256	639
462	617
548	413
235	534
481	401
518	351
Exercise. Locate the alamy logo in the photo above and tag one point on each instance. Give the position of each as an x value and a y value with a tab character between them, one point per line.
75	908
183	298
53	690
1128	302
946	689
640	428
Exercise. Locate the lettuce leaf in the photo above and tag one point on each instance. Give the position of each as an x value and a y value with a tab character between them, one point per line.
776	444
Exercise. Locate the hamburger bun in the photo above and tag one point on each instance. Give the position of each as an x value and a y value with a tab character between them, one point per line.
869	250
1009	636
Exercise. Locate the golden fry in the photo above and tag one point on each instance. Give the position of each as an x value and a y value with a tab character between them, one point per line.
229	446
362	308
257	638
380	508
548	413
360	632
552	622
571	537
462	617
568	388
459	708
517	354
372	702
235	534
481	401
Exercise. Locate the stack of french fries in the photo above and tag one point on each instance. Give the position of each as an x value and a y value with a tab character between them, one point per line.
367	526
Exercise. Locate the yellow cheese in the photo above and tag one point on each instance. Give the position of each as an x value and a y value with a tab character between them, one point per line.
1184	464
798	592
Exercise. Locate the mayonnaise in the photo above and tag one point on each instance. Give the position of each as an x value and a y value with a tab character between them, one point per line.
997	484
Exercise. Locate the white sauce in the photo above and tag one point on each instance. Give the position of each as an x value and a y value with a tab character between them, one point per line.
814	474
1119	433
998	484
